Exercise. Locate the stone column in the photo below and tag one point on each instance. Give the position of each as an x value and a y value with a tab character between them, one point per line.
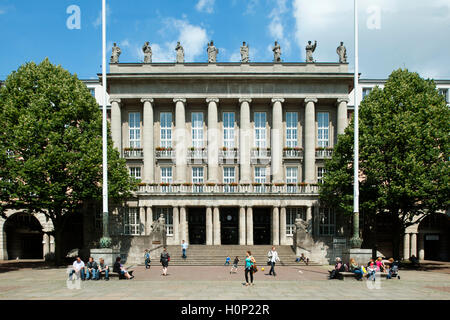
310	140
216	214
209	227
341	115
309	220
148	148
116	124
242	226
277	140
149	221
52	244
406	247
413	244
213	141
283	240
3	245
245	141
46	244
249	226
421	246
176	225
180	140
275	226
142	220
183	224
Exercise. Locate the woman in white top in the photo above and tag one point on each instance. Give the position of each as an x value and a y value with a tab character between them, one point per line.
273	258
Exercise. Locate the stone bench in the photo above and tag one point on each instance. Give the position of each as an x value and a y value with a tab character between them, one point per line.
343	275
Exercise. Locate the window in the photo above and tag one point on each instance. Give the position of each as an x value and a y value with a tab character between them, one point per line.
92	91
323	129
131	221
197	177
293	213
134	123
168	217
260	130
166	129
197	129
320	174
366	92
260	177
444	93
291	129
327	221
135	172
166	177
291	177
228	130
228	177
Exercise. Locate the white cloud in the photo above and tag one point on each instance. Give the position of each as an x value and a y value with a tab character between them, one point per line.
205	6
277	25
98	21
251	6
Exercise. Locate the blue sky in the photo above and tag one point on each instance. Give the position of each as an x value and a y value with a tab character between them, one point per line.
393	34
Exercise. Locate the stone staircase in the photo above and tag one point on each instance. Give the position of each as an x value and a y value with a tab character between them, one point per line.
201	255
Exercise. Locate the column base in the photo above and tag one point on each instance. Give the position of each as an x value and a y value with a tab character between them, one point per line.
361	256
109	255
356	242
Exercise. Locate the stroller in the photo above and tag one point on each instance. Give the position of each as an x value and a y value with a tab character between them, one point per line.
393	270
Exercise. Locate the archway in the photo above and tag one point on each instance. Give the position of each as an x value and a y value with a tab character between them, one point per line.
23	237
433	238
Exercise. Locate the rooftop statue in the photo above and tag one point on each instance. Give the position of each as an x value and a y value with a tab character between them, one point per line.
180	53
342	52
244	53
276	52
310	48
212	53
147	52
115	54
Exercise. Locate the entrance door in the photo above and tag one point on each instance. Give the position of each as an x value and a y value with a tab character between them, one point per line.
229	225
24	237
197	225
261	226
432	246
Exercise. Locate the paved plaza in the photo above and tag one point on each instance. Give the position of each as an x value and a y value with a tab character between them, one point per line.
35	281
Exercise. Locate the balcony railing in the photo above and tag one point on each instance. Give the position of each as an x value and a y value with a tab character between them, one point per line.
197	155
324	153
228	156
167	153
229	188
293	153
260	155
135	153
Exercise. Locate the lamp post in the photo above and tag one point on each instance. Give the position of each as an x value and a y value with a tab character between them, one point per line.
356	241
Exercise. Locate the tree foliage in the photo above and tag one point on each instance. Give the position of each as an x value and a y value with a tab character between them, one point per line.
404	152
51	145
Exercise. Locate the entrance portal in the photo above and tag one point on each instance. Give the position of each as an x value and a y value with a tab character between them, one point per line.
229	225
261	226
197	225
23	237
432	247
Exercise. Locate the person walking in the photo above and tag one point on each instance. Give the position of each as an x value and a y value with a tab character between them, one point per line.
250	267
273	258
184	247
147	259
165	258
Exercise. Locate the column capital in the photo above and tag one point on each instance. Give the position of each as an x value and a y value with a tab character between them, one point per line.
339	100
311	99
117	100
144	100
179	100
242	100
209	100
281	100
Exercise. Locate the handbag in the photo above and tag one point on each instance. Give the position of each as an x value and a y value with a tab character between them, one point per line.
255	268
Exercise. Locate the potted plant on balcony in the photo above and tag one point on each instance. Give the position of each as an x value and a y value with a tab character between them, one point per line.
187	184
234	184
256	184
142	184
280	184
176	184
302	184
210	184
164	184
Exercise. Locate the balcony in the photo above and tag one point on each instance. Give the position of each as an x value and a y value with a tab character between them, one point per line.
133	153
293	153
197	155
260	155
233	188
324	153
165	154
228	156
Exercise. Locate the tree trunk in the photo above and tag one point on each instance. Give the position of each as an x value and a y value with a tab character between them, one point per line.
397	232
59	254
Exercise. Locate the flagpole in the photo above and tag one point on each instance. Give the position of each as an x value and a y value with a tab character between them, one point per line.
355	240
104	127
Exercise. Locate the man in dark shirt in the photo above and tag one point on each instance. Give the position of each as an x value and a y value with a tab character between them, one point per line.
103	267
91	269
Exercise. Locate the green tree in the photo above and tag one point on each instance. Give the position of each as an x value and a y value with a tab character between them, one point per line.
51	146
404	153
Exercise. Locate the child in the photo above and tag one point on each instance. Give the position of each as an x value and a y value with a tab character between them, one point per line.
227	261
147	259
371	269
235	265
